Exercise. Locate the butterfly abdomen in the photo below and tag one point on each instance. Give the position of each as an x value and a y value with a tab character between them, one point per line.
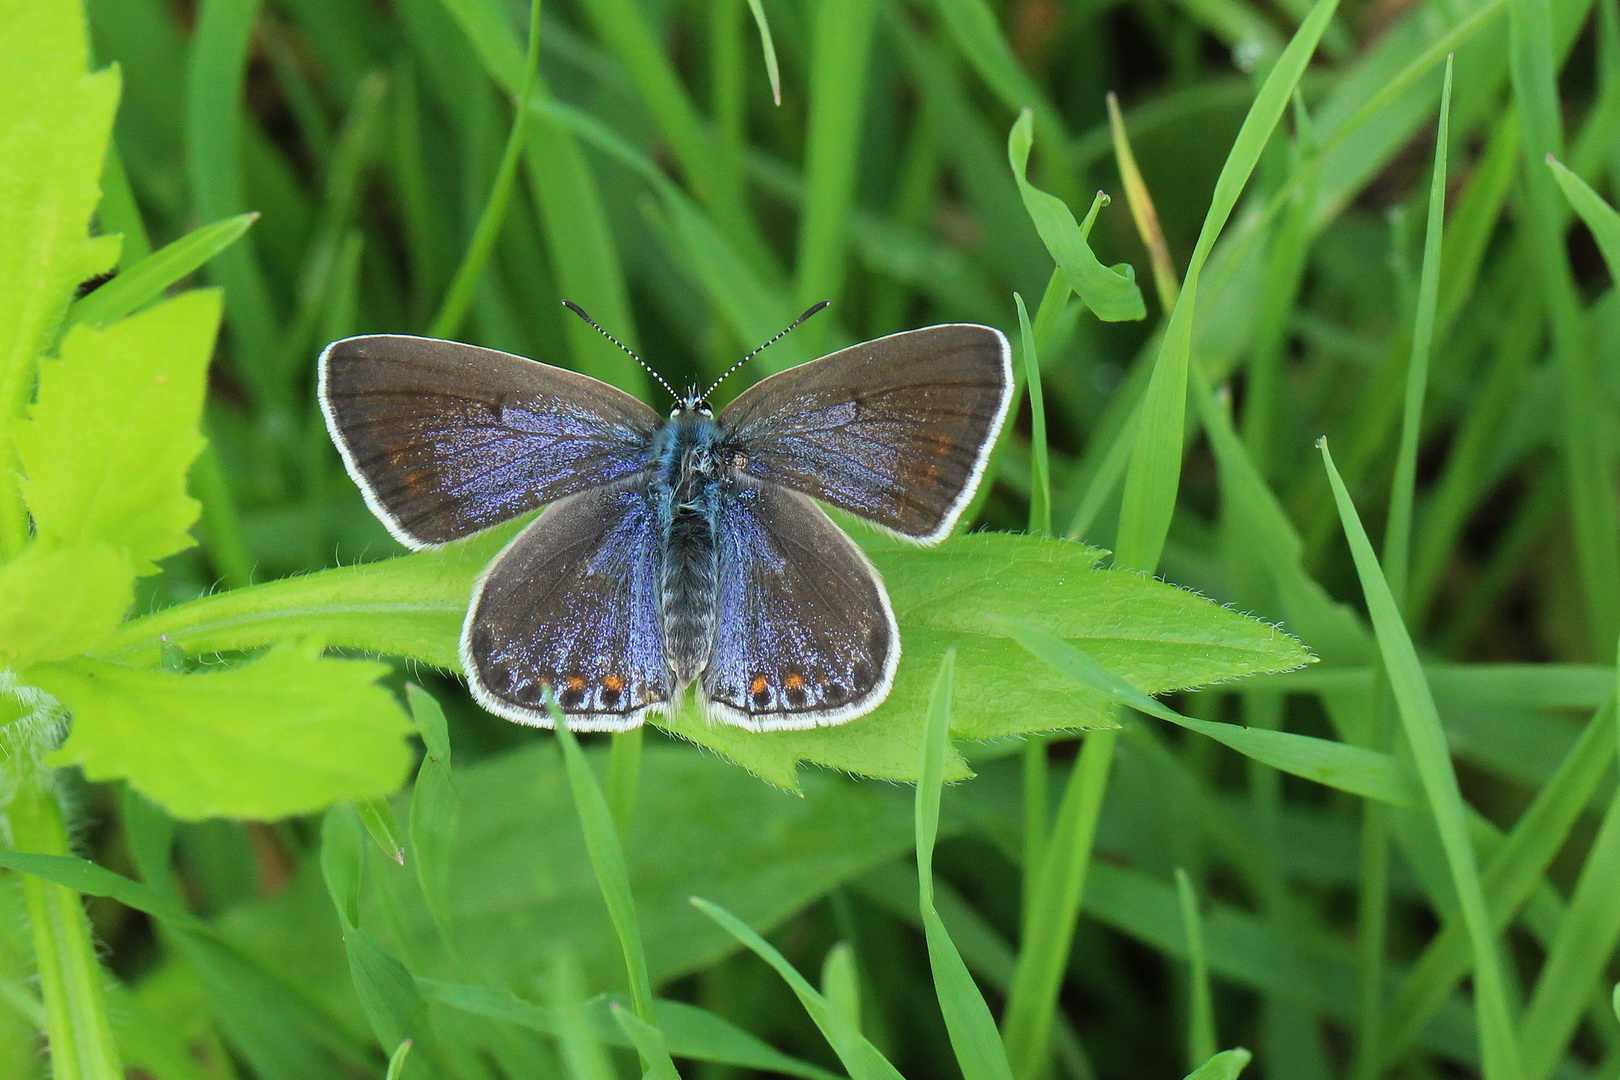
687	491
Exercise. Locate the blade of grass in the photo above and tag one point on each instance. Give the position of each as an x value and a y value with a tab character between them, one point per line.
1415	704
1040	501
1579	955
1143	213
582	1048
1599	216
1201	1023
1348	768
144	281
382	825
1587	460
1511	875
607	860
768	46
862	1061
1053	907
840	47
214	120
1226	1065
648	1041
1373	910
458	298
396	1061
624	775
971	1027
1154	473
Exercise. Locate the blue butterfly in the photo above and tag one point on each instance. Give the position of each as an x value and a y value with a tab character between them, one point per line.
676	552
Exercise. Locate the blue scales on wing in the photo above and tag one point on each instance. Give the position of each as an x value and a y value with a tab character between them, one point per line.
448	439
571	609
804	635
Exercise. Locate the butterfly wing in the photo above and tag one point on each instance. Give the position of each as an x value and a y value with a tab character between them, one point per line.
804	636
446	439
896	430
572	605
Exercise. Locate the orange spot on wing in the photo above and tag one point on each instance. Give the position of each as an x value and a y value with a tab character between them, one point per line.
758	685
793	681
574	682
612	682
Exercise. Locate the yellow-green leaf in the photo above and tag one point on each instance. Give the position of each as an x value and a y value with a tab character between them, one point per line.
285	734
59	602
115	430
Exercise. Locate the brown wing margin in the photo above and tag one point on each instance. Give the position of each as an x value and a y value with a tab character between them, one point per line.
896	430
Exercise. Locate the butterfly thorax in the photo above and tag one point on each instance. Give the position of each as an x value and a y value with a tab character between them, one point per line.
688	475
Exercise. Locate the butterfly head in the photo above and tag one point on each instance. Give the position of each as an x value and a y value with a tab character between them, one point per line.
692	404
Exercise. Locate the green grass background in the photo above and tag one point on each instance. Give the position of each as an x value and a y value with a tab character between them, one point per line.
1441	309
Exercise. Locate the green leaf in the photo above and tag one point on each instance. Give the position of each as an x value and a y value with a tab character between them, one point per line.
285	734
387	992
1110	292
91	879
57	602
409	606
144	282
768	45
701	827
968	1021
396	1061
1226	1065
382	825
114	431
1157	636
53	134
648	1041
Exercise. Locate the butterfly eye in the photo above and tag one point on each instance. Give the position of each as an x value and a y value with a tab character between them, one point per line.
702	407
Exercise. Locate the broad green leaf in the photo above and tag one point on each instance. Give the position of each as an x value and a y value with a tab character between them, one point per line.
285	734
57	602
53	132
1155	635
702	827
410	606
114	431
1111	292
145	281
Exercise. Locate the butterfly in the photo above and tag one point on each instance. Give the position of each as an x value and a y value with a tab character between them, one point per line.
680	551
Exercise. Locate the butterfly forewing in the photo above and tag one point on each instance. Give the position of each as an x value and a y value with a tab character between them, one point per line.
896	430
570	612
805	635
447	439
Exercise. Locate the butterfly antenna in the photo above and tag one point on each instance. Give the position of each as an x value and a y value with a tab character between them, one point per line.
727	374
577	310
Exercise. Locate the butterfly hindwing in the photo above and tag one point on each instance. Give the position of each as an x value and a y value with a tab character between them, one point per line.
446	439
805	635
571	608
895	430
